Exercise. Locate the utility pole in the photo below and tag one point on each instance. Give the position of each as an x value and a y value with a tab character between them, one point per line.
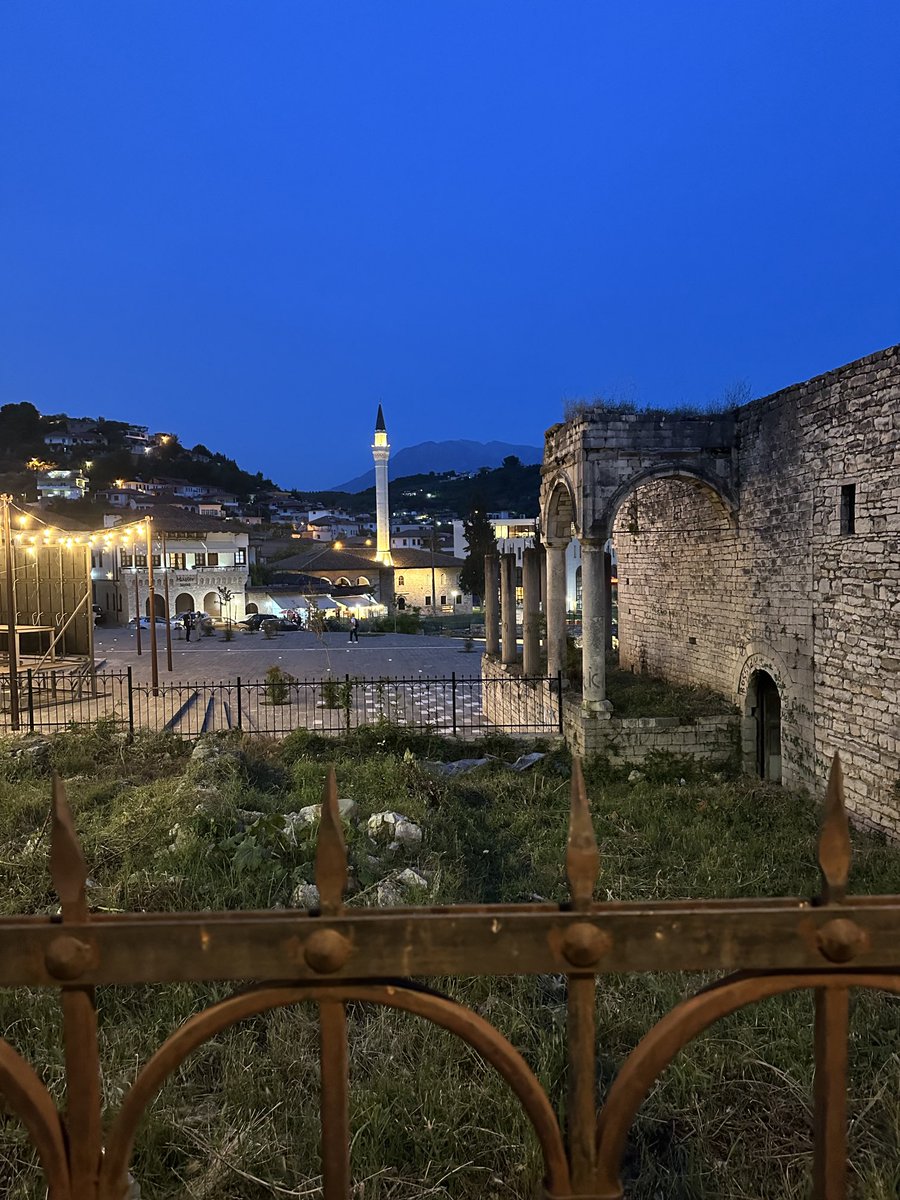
165	569
137	603
433	587
11	631
151	604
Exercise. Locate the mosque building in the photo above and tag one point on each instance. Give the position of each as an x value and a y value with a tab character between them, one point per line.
399	577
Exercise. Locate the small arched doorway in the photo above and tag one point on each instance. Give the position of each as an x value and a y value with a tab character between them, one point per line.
764	706
184	602
159	605
251	609
211	605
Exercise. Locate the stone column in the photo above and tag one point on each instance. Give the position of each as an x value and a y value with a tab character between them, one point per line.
508	607
531	583
491	606
555	609
593	626
607	591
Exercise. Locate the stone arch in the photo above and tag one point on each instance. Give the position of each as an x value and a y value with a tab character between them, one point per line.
559	520
184	602
251	609
603	526
362	581
159	605
212	605
343	581
763	690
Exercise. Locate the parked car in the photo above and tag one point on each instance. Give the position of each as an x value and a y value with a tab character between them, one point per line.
145	622
255	622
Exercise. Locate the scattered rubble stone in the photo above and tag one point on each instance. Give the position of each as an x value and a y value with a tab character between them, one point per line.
394	826
305	895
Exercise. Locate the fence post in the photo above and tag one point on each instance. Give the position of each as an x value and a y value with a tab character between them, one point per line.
239	705
130	704
453	686
30	701
559	701
348	699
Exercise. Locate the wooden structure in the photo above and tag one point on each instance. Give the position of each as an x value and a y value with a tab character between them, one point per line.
336	955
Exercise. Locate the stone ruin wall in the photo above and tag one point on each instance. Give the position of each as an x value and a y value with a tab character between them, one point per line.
706	597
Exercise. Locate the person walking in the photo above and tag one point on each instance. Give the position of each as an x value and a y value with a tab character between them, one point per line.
354	629
188	625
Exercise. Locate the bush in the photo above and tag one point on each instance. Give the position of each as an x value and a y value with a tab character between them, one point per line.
278	685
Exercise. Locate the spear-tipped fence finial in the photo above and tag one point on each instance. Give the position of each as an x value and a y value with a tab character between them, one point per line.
331	851
834	839
582	855
68	870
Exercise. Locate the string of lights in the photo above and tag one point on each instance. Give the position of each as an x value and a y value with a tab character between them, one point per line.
47	534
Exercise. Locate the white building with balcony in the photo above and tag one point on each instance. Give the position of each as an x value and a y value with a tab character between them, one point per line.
204	560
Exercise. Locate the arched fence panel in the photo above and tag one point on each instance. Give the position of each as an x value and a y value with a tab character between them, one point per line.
335	955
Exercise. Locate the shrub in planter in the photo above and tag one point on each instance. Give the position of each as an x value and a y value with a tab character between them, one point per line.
278	685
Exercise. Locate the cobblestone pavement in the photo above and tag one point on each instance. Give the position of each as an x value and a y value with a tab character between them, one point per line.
390	655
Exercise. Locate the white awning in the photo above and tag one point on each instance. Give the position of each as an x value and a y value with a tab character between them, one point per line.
287	601
360	602
281	602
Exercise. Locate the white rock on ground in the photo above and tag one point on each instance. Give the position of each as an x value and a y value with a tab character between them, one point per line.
312	813
408	878
305	895
394	827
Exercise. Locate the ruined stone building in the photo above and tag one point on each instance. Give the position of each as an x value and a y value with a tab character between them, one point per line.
758	555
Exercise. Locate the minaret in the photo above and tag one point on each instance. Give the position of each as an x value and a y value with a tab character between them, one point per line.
381	452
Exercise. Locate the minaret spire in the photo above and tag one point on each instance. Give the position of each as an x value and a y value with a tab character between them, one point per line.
381	452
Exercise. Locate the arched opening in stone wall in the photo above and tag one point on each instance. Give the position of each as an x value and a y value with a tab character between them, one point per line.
159	605
764	708
558	525
677	579
184	602
211	604
251	609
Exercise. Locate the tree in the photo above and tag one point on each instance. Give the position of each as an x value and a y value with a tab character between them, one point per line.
479	534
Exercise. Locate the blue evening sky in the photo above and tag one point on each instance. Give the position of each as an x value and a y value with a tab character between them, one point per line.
248	222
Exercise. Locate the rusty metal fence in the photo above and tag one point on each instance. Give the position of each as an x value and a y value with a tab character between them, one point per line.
463	706
335	956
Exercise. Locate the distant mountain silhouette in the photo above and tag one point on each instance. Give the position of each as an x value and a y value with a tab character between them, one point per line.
458	455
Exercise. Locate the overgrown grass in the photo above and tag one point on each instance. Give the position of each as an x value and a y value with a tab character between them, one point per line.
730	1119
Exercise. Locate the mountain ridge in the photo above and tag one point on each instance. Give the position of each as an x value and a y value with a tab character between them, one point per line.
459	454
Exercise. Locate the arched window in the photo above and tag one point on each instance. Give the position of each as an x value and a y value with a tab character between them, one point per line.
400	581
362	581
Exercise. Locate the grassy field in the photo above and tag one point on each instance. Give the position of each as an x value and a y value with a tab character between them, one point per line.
731	1118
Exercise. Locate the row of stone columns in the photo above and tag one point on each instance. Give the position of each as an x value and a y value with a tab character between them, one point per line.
544	584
